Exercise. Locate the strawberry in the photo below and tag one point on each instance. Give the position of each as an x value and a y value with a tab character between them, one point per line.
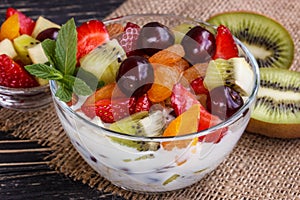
90	34
198	86
182	100
14	75
143	103
109	110
26	23
225	45
129	37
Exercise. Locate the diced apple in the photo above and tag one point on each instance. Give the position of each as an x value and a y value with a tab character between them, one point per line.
7	47
43	24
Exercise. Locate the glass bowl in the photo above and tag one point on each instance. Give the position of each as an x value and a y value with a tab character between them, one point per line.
25	99
159	170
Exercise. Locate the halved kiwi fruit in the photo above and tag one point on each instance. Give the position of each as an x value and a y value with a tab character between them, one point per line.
277	109
269	42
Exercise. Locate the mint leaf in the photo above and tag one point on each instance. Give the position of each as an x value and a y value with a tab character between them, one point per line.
66	48
49	49
44	71
78	85
64	93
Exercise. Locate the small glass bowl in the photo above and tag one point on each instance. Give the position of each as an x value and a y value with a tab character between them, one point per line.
158	170
25	99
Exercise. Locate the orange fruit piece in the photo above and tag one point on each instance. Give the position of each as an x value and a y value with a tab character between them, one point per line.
168	56
10	28
114	29
164	79
196	71
106	92
185	123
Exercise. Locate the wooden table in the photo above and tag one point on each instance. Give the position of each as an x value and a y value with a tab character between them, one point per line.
24	174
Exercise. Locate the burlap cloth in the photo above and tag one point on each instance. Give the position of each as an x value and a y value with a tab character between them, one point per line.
258	168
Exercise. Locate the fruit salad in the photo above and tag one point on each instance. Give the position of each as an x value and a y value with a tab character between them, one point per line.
20	45
153	103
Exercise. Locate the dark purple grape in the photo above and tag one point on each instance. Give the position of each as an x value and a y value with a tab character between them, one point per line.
199	45
50	33
154	37
224	101
135	76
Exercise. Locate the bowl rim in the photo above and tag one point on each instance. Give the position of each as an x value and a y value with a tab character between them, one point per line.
240	113
24	90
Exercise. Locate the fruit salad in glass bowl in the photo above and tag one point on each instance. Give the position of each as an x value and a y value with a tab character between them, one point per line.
153	103
20	45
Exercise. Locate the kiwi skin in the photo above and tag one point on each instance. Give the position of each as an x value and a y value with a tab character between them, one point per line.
287	131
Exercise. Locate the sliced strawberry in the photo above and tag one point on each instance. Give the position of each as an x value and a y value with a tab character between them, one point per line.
109	110
182	100
143	103
198	86
14	75
225	45
90	34
26	23
129	37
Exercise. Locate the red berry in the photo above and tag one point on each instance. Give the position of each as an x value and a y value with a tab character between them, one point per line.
225	44
129	37
198	86
26	23
14	75
109	110
90	34
143	103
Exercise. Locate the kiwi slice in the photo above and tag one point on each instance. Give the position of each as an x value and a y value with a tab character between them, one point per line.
180	30
104	61
277	109
269	42
22	44
234	72
140	124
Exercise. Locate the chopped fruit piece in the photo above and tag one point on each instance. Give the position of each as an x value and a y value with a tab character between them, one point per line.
104	61
10	28
235	72
225	45
185	123
197	70
162	87
37	54
41	25
22	43
114	30
143	103
129	37
110	110
198	86
90	35
141	124
108	91
13	75
135	76
168	56
7	47
26	23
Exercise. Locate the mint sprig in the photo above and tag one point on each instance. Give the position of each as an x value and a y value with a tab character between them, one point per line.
62	63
